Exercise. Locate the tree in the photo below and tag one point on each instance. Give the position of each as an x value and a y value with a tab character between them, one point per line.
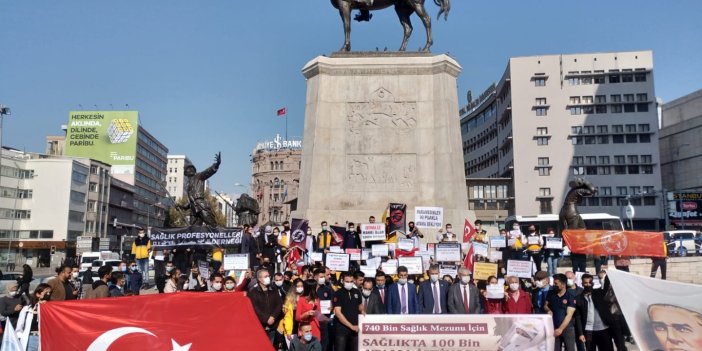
177	217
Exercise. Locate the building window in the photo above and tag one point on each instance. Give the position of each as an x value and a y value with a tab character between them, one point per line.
577	140
633	159
619	169
544	171
602	129
601	99
542	131
542	141
649	201
640	77
575	100
642	107
631	138
619	159
628	97
616	108
603	139
75	216
540	82
647	169
604	170
591	170
579	170
578	160
627	78
621	190
540	101
576	130
614	78
600	79
587	99
646	159
575	110
642	97
615	98
633	169
545	206
541	111
543	161
644	127
644	138
604	160
588	110
544	192
618	139
591	160
600	109
589	129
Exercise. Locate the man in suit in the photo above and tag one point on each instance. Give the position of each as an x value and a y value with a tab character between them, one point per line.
401	298
433	293
371	298
380	287
463	297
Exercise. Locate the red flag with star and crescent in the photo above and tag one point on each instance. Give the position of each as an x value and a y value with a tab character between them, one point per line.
160	322
468	233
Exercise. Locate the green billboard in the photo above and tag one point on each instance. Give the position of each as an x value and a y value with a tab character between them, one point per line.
106	136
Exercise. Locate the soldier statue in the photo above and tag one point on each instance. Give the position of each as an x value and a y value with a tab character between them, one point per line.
200	210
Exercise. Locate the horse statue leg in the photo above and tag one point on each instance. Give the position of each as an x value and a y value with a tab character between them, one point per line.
426	20
403	13
345	12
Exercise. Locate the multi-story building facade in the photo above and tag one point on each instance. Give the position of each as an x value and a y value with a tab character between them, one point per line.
557	117
150	202
225	205
681	145
275	177
175	181
121	212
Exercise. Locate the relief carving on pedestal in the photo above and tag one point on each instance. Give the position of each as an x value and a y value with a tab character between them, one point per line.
380	172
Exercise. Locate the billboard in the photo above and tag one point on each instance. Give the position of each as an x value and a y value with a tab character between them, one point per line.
106	136
685	209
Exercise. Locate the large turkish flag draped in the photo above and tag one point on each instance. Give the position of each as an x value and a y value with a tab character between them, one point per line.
164	322
616	243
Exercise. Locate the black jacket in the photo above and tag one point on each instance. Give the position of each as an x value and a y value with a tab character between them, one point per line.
266	304
581	310
374	305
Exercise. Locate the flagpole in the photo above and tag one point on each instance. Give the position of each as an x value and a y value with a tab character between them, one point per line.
286	124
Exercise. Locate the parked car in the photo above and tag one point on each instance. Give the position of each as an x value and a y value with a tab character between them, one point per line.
96	264
681	242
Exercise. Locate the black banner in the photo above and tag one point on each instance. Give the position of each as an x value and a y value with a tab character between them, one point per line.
298	233
205	237
398	218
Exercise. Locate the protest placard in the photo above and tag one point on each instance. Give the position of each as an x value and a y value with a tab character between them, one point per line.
405	244
533	240
374	262
429	217
521	269
497	242
482	270
365	254
390	267
354	254
372	232
495	255
236	262
480	249
325	306
448	269
317	256
495	291
447	252
413	264
338	261
336	249
554	243
380	250
368	271
204	269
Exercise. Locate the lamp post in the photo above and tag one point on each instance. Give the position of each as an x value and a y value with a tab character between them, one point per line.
675	180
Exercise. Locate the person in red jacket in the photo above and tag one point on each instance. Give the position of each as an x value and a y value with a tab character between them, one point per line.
517	301
308	307
493	305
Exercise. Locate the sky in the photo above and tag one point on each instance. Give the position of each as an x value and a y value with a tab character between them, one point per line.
209	75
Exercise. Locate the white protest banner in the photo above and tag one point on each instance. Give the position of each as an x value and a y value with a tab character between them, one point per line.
390	267
448	269
533	240
405	244
448	252
497	242
338	261
521	269
336	249
368	271
426	257
236	262
429	217
480	249
316	256
413	264
325	306
661	314
372	232
374	262
365	254
204	269
380	250
495	256
354	254
455	332
495	291
554	243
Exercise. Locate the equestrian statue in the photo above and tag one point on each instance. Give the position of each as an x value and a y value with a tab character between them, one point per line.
570	216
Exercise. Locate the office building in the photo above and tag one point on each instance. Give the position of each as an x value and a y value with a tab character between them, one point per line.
681	145
175	181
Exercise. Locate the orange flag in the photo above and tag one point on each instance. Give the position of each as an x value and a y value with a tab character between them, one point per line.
617	243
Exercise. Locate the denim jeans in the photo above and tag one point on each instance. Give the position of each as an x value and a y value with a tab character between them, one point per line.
552	262
33	343
567	340
143	265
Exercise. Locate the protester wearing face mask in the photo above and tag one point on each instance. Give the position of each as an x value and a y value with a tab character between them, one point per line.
541	281
514	242
324	293
402	297
572	287
533	243
216	283
305	341
348	305
493	305
288	326
141	249
266	304
117	283
195	280
371	298
28	321
463	297
173	279
380	289
433	294
11	304
324	238
75	281
351	238
308	307
593	317
134	278
561	306
448	236
517	301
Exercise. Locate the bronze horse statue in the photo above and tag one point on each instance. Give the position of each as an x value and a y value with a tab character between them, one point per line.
403	8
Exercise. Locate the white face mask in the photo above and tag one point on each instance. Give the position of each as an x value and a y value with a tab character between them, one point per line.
267	281
348	286
366	293
514	286
299	289
515	227
465	280
411	281
539	284
217	286
186	286
434	278
321	281
74	275
279	283
402	281
571	282
141	235
229	286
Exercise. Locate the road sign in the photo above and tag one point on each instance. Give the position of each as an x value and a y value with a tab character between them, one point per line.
630	211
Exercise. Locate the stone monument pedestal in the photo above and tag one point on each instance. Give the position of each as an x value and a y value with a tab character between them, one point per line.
381	127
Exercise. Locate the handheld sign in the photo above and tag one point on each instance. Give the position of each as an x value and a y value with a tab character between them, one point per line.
338	262
236	262
554	243
380	250
480	249
448	252
372	232
413	264
497	242
521	269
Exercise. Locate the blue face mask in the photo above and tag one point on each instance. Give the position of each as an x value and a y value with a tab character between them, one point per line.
308	336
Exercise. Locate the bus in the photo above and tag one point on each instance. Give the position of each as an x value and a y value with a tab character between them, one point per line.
594	221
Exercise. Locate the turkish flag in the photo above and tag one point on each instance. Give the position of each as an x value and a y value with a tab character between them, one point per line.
282	111
615	243
162	322
468	231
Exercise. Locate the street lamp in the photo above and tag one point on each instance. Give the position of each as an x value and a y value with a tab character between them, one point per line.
675	180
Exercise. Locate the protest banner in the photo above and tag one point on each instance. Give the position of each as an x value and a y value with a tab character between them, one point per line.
555	243
405	244
495	256
521	269
195	236
372	232
325	306
390	267
298	233
448	269
354	254
338	261
480	249
374	262
497	242
447	252
365	254
398	218
495	291
429	217
413	264
368	271
481	270
103	324
455	332
204	268
533	240
316	256
336	249
615	243
380	250
237	262
661	314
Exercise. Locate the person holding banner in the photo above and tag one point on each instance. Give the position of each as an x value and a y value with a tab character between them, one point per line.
514	243
534	245
517	301
552	255
494	305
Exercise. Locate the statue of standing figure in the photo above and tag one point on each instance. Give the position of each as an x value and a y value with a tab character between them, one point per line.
200	210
